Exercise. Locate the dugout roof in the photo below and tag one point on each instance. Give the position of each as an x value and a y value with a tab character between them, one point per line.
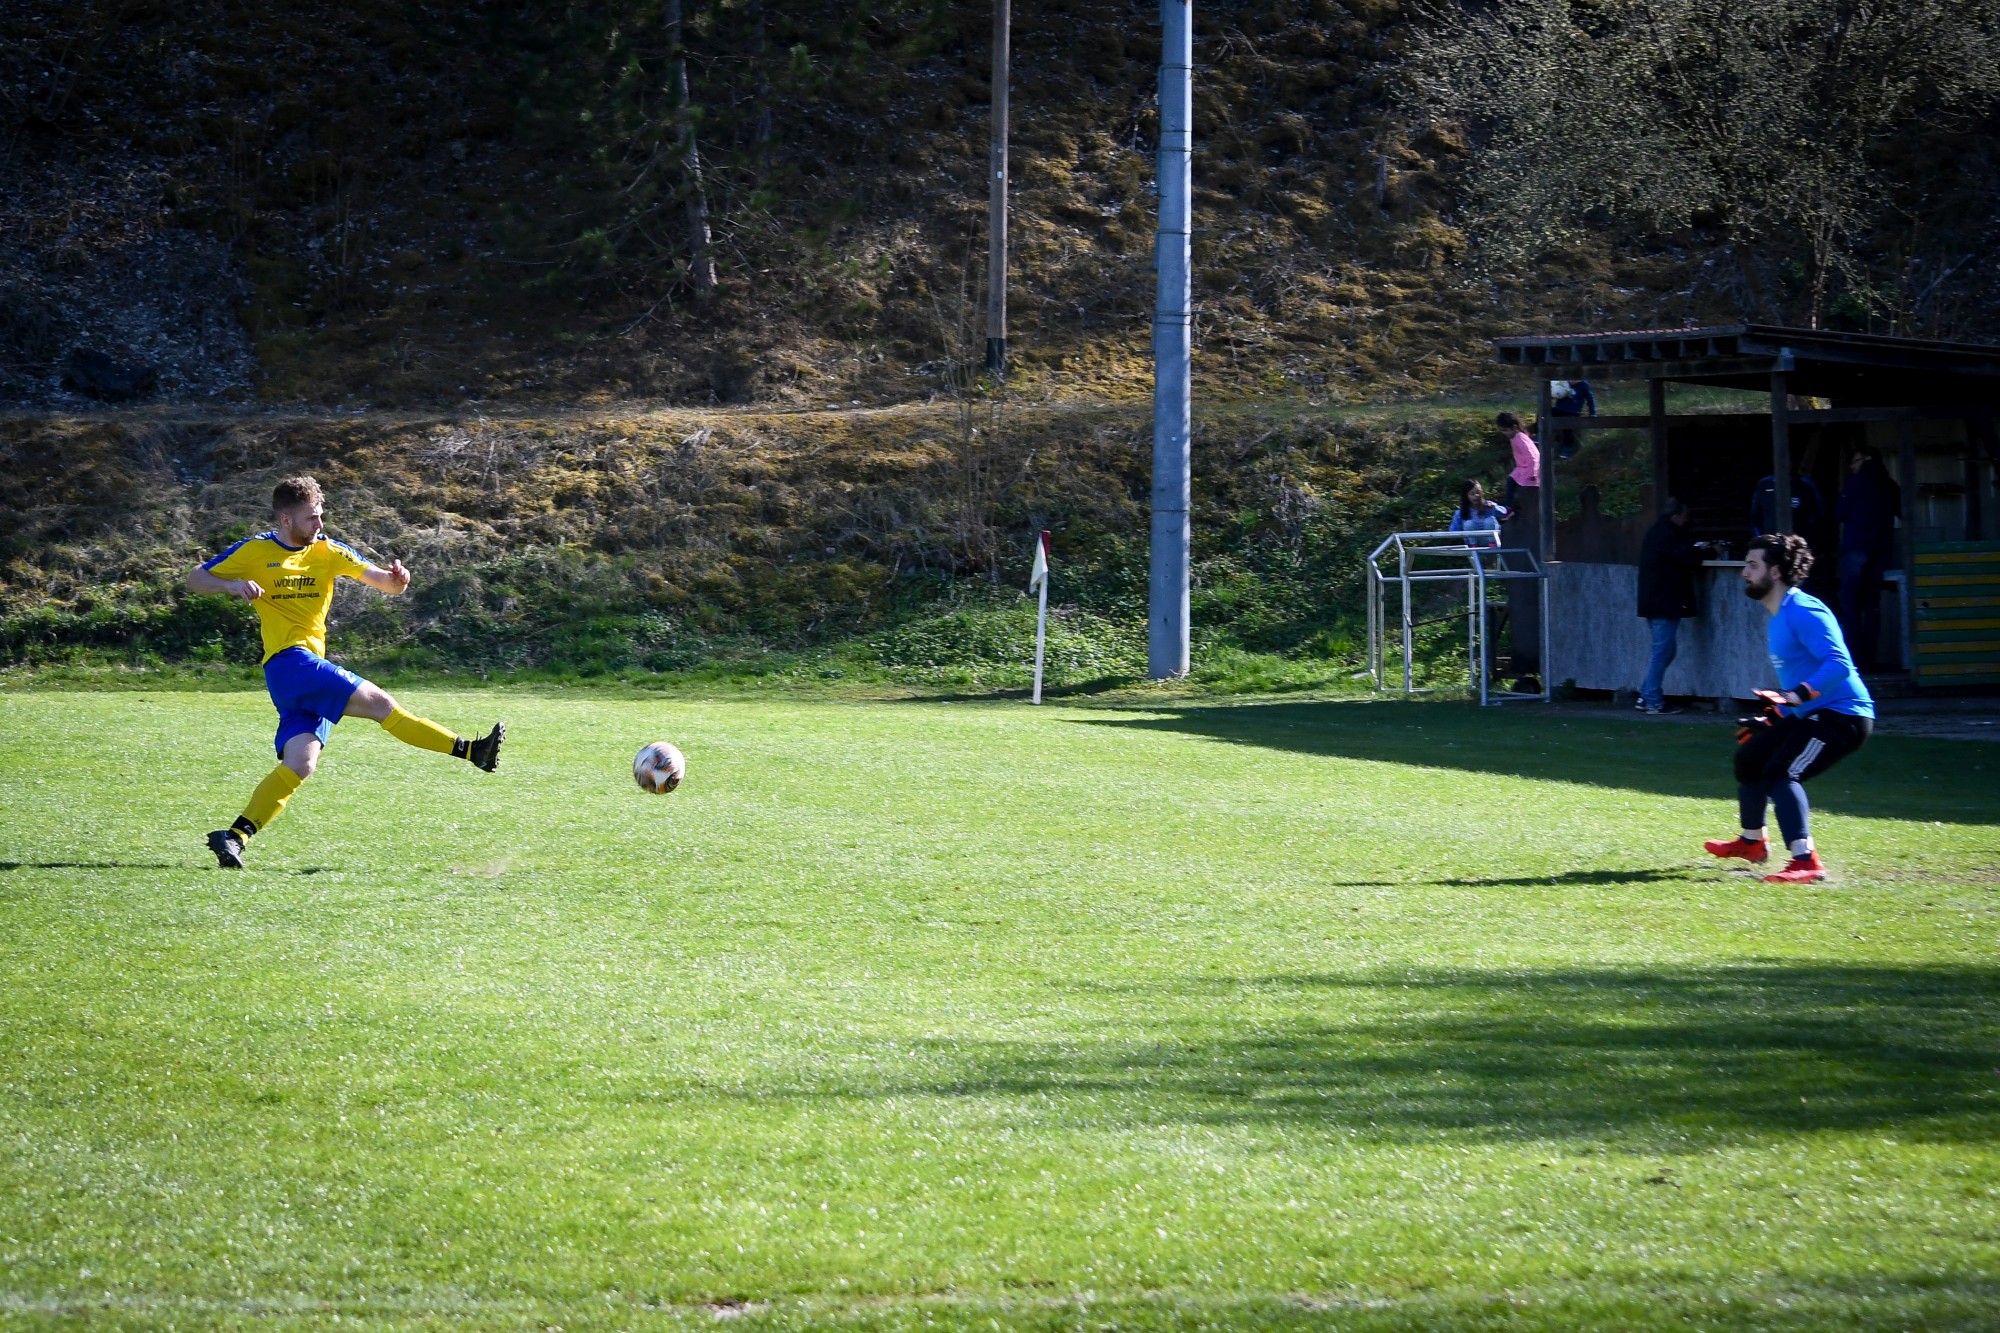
1852	369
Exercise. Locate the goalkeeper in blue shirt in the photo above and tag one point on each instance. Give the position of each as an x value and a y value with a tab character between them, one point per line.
1820	713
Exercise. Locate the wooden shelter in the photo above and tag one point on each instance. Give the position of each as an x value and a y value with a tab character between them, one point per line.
1928	407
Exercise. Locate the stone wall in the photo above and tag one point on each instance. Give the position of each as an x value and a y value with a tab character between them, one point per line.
1598	642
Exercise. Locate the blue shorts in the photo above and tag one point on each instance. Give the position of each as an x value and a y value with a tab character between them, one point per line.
309	692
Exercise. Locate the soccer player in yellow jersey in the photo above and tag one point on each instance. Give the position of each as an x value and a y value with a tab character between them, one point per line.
287	575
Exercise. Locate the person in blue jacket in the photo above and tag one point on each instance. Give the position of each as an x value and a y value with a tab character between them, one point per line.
1820	713
1477	516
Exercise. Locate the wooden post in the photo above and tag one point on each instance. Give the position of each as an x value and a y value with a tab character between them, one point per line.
1781	451
1975	482
996	259
1985	454
1545	438
1906	473
1657	407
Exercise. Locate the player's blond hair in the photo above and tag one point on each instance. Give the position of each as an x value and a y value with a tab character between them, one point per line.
295	491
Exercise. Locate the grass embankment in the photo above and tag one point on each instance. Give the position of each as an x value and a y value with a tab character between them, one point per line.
889	545
1367	1016
420	206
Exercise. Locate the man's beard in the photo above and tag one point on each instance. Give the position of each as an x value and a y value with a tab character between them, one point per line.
1756	592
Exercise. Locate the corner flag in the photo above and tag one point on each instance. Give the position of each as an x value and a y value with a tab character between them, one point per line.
1038	582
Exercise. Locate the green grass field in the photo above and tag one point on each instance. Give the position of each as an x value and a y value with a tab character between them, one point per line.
1343	1015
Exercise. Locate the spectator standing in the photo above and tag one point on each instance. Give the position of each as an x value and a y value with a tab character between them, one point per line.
1868	507
1808	509
1477	517
1527	471
1524	529
1667	564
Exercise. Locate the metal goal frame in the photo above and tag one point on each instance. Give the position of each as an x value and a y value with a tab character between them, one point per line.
1406	560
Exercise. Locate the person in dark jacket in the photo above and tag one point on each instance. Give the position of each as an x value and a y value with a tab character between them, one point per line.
1808	509
1867	509
1570	398
1667	563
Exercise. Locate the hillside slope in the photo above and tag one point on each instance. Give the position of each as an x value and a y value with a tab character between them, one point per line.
437	254
615	541
392	203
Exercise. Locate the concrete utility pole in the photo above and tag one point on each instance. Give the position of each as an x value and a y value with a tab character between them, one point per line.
996	259
1167	616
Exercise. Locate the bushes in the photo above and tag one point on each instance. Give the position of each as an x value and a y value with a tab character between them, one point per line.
627	546
173	628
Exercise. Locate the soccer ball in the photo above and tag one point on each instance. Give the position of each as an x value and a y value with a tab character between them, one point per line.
658	768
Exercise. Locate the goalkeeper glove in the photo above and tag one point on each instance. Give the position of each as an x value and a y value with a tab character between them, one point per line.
1748	727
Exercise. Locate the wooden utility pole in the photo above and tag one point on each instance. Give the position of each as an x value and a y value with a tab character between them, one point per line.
701	251
996	260
1656	423
1781	452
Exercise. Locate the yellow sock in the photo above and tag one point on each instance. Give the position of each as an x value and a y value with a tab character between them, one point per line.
419	731
268	801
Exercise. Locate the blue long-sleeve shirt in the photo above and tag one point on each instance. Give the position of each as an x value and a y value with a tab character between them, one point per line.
1807	649
1482	528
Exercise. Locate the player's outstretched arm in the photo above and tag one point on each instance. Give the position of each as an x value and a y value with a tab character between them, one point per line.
200	580
392	580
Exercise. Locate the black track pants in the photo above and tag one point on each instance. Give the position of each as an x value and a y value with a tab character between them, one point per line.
1772	765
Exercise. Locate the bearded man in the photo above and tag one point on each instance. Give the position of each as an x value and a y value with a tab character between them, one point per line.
1808	725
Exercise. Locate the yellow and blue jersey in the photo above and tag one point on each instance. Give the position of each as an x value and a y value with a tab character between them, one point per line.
297	583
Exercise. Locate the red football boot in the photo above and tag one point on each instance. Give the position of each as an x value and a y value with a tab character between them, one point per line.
1799	870
1741	848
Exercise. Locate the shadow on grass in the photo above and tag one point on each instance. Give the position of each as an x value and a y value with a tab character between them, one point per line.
139	865
1076	689
1947	1295
1892	777
1613	1055
92	865
1597	877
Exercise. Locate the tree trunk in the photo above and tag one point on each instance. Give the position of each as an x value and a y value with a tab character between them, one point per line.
759	42
996	208
701	256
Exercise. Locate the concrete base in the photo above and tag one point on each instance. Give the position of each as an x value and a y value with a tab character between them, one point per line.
1598	641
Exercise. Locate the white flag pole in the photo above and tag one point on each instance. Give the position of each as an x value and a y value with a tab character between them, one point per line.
1041	581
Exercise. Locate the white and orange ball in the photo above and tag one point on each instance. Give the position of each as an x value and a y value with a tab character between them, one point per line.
659	768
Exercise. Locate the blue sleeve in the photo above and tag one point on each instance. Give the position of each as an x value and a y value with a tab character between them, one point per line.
1457	522
346	560
1589	398
233	549
1819	634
